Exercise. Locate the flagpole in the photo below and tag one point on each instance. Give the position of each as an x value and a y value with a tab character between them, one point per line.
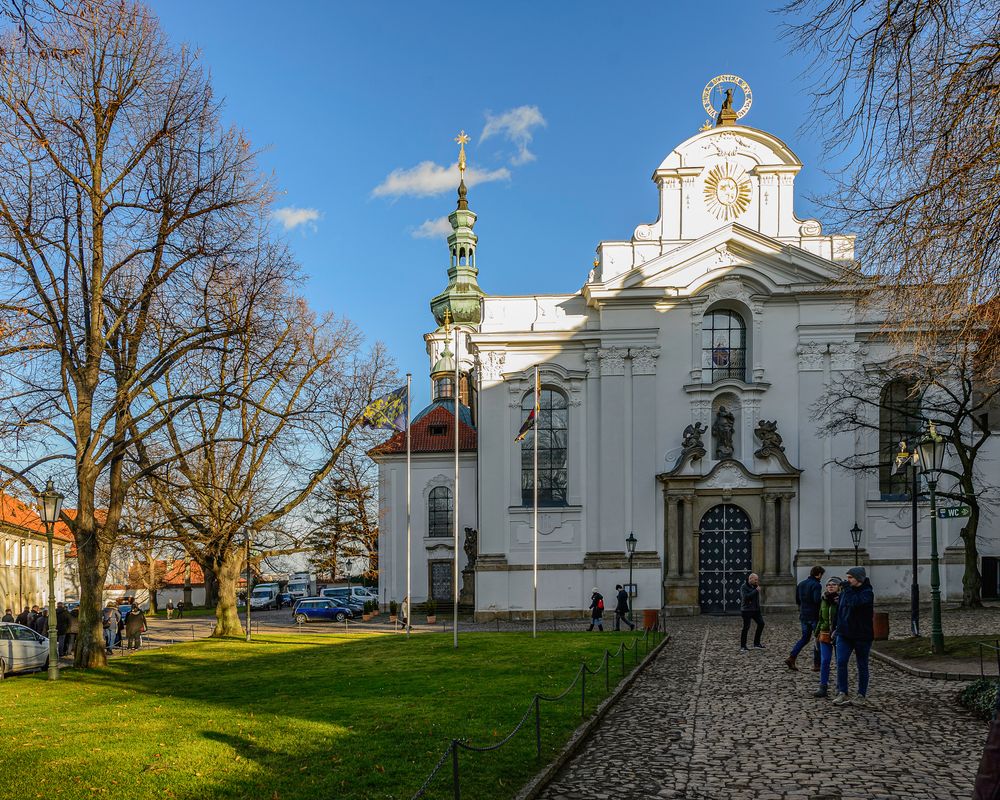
454	586
409	596
534	524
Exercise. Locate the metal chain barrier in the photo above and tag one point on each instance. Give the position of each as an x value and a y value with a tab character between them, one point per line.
535	708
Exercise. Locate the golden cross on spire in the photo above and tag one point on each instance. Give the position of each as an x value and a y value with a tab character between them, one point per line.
447	320
462	140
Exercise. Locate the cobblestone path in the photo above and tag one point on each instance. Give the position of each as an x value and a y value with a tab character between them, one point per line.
707	721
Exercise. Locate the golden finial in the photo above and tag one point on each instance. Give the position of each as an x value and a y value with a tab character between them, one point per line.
597	263
707	126
447	321
462	140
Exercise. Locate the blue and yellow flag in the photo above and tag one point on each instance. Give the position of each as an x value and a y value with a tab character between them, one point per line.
387	413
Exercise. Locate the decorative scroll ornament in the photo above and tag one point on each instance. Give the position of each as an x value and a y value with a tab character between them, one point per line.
727	191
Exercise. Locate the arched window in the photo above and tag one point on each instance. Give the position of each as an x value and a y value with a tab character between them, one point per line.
898	418
444	388
723	346
552	429
439	512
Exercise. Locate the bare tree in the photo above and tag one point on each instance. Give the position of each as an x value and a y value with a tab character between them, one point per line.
909	93
345	512
280	400
122	201
945	391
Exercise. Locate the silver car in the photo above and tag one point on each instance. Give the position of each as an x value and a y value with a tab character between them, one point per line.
21	649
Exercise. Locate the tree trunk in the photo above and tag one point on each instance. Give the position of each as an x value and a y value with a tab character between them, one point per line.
227	619
187	582
211	584
90	641
152	583
972	580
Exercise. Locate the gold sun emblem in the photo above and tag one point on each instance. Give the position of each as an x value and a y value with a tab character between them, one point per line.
727	191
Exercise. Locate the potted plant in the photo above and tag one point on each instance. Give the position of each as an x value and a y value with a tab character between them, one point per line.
366	612
431	606
393	611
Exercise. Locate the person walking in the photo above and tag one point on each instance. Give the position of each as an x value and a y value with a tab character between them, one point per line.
135	626
110	618
170	608
825	629
62	627
8	615
855	633
808	595
622	609
180	609
74	631
750	609
596	610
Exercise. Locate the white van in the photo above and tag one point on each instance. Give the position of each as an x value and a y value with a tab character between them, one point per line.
264	596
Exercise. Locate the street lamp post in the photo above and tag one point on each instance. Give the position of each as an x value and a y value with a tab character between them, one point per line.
932	452
630	543
51	505
248	584
856	538
911	459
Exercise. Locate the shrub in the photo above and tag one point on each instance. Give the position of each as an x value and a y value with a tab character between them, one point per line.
980	696
393	607
431	606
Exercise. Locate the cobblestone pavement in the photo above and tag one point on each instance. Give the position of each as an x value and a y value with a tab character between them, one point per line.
709	722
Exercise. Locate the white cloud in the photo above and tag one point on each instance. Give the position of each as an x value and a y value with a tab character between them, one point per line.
432	229
515	126
291	217
428	179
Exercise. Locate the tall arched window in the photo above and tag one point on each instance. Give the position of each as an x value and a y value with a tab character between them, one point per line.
723	346
552	430
440	508
898	418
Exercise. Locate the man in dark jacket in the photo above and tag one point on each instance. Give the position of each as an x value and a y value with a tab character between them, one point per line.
750	608
855	633
8	615
807	596
41	623
24	617
62	627
621	610
596	610
135	626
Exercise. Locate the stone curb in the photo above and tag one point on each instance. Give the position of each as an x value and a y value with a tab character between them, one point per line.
902	666
537	784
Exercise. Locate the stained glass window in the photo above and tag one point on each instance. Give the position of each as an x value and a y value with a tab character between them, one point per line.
552	430
723	346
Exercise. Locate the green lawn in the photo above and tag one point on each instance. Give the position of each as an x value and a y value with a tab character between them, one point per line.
918	647
310	717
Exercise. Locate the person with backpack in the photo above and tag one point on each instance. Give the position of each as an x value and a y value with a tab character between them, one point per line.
110	619
622	609
596	610
855	634
750	609
808	595
135	626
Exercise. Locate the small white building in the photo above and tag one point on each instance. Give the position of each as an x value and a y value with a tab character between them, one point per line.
24	565
678	384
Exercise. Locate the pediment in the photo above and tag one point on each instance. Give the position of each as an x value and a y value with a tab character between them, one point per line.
769	264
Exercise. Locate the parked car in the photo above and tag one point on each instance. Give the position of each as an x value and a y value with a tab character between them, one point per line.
287	599
21	649
309	609
342	595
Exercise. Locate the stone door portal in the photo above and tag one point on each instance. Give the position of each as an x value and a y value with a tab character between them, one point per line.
724	558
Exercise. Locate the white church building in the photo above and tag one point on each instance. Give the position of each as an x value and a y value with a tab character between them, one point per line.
677	391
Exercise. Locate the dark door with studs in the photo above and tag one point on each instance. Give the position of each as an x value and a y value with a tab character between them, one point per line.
724	558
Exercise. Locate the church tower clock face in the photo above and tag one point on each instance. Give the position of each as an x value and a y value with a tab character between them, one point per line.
727	191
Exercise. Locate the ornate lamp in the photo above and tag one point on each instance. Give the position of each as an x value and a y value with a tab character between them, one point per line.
856	532
630	543
932	449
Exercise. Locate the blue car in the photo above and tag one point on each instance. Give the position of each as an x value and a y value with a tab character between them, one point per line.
309	609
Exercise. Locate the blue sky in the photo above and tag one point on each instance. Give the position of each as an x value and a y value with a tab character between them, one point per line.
358	104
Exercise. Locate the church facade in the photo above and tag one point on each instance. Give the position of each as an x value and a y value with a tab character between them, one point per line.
678	390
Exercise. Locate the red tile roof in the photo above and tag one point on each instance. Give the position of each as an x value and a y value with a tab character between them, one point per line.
175	573
422	440
22	515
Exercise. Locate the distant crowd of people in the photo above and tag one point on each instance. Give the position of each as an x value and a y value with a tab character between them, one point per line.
67	624
132	625
839	618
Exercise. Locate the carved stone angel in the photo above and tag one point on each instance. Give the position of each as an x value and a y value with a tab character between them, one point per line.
769	438
692	437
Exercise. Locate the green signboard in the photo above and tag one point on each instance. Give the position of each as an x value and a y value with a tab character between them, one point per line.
954	511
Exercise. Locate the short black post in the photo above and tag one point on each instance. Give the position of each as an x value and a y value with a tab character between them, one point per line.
538	727
607	672
454	770
583	689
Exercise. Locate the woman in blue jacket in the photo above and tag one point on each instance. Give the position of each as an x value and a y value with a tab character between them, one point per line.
855	633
